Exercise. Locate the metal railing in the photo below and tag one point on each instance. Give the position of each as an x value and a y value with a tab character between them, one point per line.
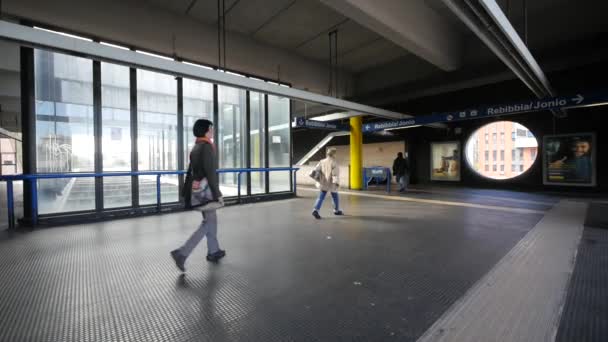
32	179
384	170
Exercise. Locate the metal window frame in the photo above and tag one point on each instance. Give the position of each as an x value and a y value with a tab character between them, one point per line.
29	124
97	135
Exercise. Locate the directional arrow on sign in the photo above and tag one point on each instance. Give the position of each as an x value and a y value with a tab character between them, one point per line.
578	99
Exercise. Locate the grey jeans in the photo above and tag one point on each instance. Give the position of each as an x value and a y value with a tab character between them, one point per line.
403	180
207	228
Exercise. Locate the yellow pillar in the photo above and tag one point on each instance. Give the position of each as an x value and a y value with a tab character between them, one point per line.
356	154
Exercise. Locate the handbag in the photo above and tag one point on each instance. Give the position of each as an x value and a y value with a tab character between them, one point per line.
198	194
314	174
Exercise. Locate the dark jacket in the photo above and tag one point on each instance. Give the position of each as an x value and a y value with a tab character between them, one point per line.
400	167
204	165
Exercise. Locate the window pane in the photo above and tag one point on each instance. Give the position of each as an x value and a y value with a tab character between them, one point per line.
230	132
279	117
64	130
116	133
520	142
66	194
198	104
157	133
256	136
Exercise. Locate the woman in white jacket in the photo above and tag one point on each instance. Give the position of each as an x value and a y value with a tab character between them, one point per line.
328	180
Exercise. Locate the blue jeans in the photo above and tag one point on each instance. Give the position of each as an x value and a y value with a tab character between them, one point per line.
334	197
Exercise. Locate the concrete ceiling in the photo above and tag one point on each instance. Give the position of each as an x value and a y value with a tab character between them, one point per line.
300	26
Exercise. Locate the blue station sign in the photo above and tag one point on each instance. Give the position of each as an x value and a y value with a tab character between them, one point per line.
577	100
301	122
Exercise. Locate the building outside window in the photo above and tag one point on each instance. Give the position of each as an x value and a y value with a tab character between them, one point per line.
522	141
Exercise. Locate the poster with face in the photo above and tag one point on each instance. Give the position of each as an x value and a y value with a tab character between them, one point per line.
569	159
445	161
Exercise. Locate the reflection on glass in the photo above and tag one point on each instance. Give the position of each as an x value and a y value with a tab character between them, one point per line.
279	141
198	104
67	194
231	130
157	133
523	147
116	133
64	130
256	136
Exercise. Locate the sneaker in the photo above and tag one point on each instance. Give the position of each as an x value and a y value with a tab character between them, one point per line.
316	214
338	212
214	257
179	259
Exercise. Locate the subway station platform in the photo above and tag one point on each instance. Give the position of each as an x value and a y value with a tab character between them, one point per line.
431	265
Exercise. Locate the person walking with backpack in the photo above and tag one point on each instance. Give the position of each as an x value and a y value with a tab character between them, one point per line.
401	170
327	175
202	192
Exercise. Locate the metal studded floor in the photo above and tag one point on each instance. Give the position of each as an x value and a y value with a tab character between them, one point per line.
386	271
585	315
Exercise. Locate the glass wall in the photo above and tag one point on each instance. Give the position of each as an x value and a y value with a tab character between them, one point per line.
257	110
279	141
198	104
65	133
231	130
157	134
64	130
116	133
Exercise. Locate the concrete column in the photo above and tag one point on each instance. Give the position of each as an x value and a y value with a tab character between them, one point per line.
356	154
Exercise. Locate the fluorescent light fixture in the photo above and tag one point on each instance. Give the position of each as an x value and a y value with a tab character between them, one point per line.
198	65
63	34
278	127
284	85
114	46
589	105
153	55
335	116
256	79
234	73
396	128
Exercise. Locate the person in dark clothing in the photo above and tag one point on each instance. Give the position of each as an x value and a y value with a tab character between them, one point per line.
204	170
401	169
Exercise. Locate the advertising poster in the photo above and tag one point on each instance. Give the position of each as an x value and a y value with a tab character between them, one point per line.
445	161
569	159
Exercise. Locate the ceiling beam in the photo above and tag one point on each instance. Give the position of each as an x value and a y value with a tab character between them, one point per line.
38	38
411	25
